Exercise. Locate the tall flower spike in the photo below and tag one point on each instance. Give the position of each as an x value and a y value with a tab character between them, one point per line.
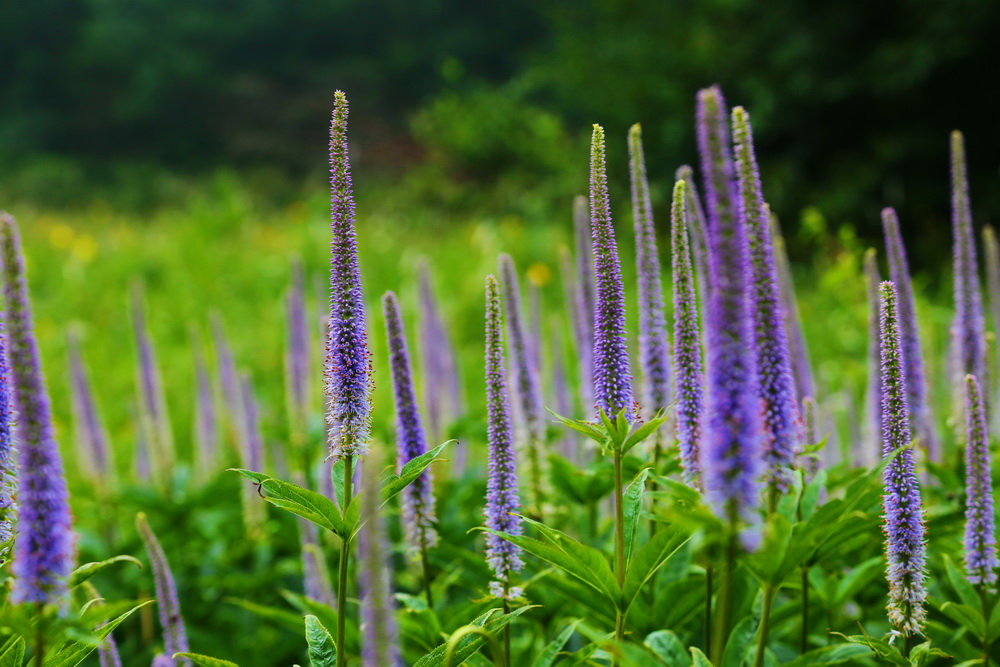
774	368
206	422
418	497
654	349
380	647
8	454
801	368
297	358
810	421
697	230
689	382
913	359
441	380
612	377
903	516
316	575
227	376
968	326
89	432
251	454
731	452
526	388
980	528
43	547
348	361
873	395
584	298
154	419
174	635
502	499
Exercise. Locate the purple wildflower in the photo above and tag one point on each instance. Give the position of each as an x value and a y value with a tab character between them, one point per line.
774	368
89	432
227	376
206	424
502	499
153	406
873	396
174	635
810	421
297	357
253	445
440	368
8	453
43	546
731	455
697	230
612	377
980	536
380	647
560	392
913	359
801	368
585	298
418	497
654	349
316	575
968	326
690	384
348	361
527	392
902	512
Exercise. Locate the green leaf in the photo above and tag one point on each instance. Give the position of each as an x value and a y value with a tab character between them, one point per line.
882	648
592	560
305	503
643	432
650	558
739	641
811	493
699	659
632	509
548	655
470	644
87	570
667	647
337	477
922	653
830	655
73	653
767	561
205	660
283	617
322	649
960	584
582	426
393	484
12	654
857	579
968	617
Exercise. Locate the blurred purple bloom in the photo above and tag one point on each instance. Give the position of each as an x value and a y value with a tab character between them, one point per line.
991	251
348	361
502	499
801	368
697	231
873	397
316	575
716	163
43	547
902	512
690	383
441	379
774	369
174	635
980	528
418	497
913	359
297	356
380	647
206	422
612	377
91	436
153	417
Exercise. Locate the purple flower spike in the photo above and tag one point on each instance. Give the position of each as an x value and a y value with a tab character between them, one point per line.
174	635
774	368
654	349
316	575
902	512
348	362
584	298
227	374
690	384
502	499
89	432
253	445
43	547
154	419
8	453
873	397
801	368
913	359
378	626
612	377
418	497
697	230
968	326
206	422
810	420
527	392
441	380
731	455
297	356
980	535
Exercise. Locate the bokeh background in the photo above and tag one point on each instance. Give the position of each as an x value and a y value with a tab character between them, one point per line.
182	145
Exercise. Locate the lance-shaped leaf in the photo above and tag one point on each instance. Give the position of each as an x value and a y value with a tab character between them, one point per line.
322	648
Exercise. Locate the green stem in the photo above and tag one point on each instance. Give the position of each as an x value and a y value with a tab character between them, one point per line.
986	625
536	479
39	645
723	600
506	660
708	607
804	643
765	624
345	554
619	544
427	576
907	645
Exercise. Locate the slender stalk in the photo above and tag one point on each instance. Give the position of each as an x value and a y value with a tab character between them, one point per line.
345	553
765	624
723	601
986	625
506	659
39	645
619	544
907	645
708	607
804	643
427	576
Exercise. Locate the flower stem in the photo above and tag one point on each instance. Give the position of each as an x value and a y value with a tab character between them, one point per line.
425	564
804	642
986	625
506	629
345	553
765	624
619	543
708	607
721	630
